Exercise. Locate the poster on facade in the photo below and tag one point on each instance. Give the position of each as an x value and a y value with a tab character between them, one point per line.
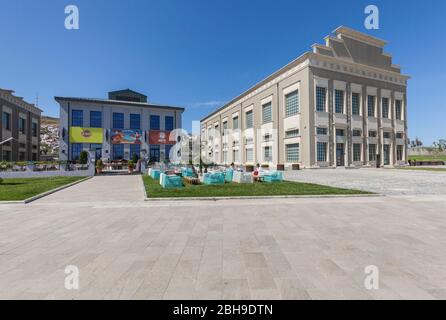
160	137
126	136
86	135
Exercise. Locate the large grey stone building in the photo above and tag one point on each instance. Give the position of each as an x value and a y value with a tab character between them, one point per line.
19	127
343	104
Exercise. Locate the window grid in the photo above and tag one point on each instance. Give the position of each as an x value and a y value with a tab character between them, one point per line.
6	120
357	133
267	113
235	123
22	125
76	149
399	152
292	104
292	152
321	131
321	151
357	152
235	155
321	96
77	118
371	106
267	153
249	120
372	152
249	155
118	120
398	110
154	122
339	101
135	121
292	133
355	104
385	107
118	151
168	123
34	129
135	149
95	119
372	133
167	149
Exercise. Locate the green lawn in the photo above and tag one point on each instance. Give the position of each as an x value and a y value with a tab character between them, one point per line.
24	188
154	189
428	158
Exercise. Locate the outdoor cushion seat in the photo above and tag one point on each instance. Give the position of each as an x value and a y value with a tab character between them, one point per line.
242	177
228	175
273	176
170	181
187	172
214	178
155	174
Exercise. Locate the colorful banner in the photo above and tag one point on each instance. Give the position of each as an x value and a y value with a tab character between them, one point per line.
126	136
86	135
160	137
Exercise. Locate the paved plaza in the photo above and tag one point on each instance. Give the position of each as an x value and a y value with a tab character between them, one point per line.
394	182
307	248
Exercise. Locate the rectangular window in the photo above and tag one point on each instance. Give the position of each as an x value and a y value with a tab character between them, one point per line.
76	149
372	152
154	122
267	137
340	132
118	120
95	146
249	155
321	151
135	149
399	135
235	155
357	133
371	106
399	152
292	152
135	121
235	123
321	131
372	134
77	118
6	155
292	133
339	101
267	113
225	127
385	107
355	104
357	152
267	153
95	119
34	129
168	123
292	104
118	152
398	109
386	135
168	147
321	98
249	119
225	157
22	125
6	120
22	156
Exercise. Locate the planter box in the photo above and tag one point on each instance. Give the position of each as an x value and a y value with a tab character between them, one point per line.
295	166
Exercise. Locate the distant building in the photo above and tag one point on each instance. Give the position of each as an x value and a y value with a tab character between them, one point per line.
343	104
20	127
117	128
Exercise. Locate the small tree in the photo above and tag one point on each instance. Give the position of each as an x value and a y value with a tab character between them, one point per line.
83	157
440	145
135	158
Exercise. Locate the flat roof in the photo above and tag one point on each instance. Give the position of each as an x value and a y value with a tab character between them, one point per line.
116	102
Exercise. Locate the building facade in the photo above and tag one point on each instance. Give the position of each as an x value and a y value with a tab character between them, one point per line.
343	104
117	128
19	127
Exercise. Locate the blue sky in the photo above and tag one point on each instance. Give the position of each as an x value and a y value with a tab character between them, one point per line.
200	54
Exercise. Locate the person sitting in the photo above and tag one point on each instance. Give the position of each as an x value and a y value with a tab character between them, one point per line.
256	172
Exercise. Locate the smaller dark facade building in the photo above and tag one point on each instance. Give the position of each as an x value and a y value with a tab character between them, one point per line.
19	128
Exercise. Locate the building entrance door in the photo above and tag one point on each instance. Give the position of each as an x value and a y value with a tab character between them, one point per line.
154	155
340	155
386	154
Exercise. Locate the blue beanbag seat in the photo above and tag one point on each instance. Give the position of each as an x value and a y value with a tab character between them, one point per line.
273	176
171	181
214	178
228	175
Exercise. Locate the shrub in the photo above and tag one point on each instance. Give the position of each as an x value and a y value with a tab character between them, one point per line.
99	164
83	157
135	158
1	180
131	164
